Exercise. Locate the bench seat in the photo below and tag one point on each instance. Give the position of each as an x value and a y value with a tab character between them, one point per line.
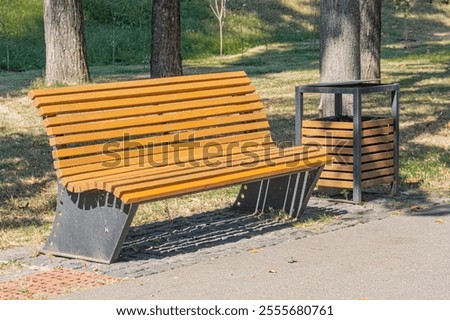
116	145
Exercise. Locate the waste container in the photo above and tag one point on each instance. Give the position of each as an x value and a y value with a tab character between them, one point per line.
365	149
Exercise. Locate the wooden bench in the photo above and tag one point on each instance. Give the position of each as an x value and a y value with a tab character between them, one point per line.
119	144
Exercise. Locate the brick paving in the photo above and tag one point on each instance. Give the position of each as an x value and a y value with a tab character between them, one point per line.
161	246
51	283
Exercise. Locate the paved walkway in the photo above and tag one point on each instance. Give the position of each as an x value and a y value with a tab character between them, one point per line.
386	248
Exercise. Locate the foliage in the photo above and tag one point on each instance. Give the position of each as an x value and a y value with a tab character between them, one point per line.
118	32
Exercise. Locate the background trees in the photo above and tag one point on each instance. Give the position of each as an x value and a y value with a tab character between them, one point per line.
350	45
339	46
219	9
166	36
370	38
65	49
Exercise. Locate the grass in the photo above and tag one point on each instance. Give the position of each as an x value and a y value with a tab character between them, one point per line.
422	68
118	32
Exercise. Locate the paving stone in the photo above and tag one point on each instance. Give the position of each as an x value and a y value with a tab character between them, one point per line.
161	246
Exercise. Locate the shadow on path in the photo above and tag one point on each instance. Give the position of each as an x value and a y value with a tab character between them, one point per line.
183	235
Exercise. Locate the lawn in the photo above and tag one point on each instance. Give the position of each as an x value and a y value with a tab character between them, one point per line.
421	67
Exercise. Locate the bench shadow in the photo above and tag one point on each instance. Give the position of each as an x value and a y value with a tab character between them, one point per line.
435	211
184	235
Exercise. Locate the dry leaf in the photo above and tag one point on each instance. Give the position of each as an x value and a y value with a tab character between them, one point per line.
439	221
272	271
254	251
417	208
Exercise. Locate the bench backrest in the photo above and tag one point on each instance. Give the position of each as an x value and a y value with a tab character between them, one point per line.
99	125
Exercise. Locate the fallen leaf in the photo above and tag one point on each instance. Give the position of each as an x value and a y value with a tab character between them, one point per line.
254	251
272	271
292	260
439	221
417	208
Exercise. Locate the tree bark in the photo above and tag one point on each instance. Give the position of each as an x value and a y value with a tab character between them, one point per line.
165	58
65	46
370	38
339	47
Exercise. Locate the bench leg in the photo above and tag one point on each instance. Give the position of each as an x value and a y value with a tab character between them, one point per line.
90	225
287	193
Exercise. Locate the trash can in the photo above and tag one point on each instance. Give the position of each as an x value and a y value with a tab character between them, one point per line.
365	149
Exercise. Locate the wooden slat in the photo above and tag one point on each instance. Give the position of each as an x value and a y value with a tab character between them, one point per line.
327	133
377	165
328	141
216	181
148	151
377	123
377	148
94	126
93	180
377	173
170	89
377	156
374	182
345	133
336	175
155	129
133	84
134	111
142	101
223	165
320	124
339	167
156	140
335	183
166	156
377	131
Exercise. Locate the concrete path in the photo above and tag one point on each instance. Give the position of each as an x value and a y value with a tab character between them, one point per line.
398	257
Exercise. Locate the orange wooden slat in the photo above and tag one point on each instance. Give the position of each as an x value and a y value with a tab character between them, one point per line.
155	140
155	119
147	151
127	111
142	101
133	84
169	89
334	183
200	174
155	129
377	173
168	156
376	181
98	180
218	181
265	155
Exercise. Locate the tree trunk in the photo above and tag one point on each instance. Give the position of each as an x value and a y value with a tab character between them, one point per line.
165	58
370	38
339	47
65	47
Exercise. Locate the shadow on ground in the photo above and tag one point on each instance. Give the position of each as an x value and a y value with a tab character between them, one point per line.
183	235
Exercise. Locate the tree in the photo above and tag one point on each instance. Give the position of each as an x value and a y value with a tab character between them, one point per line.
339	47
219	11
165	60
65	46
370	39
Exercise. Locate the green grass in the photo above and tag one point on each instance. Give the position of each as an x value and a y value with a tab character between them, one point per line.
118	32
275	65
